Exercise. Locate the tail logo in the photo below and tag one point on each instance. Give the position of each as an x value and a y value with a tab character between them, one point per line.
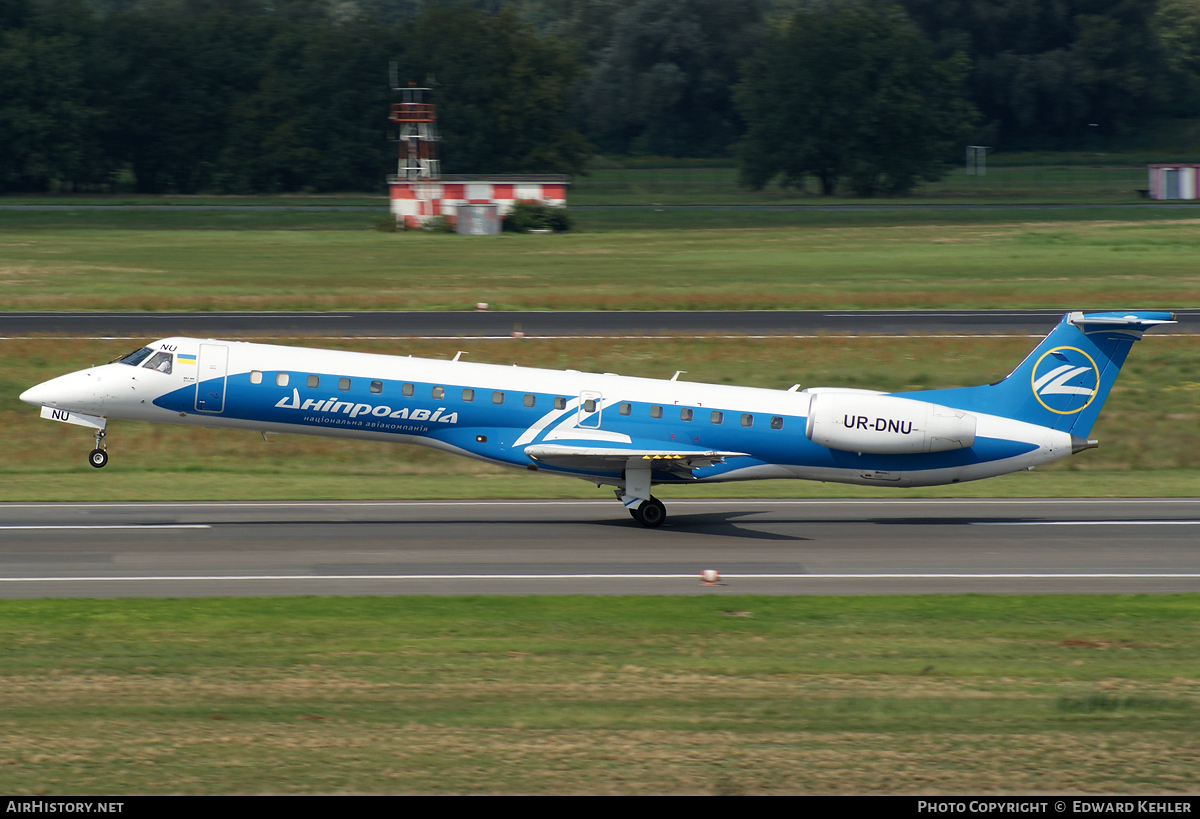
1061	376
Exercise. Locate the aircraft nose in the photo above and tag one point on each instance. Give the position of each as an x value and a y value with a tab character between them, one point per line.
78	391
35	395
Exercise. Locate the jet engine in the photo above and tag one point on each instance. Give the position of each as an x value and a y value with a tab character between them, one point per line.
886	425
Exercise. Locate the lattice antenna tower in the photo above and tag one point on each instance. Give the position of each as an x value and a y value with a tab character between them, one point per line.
418	135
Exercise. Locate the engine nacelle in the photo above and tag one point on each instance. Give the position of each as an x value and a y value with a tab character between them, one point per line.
886	425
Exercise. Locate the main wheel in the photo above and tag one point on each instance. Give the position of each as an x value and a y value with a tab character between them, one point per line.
97	458
651	513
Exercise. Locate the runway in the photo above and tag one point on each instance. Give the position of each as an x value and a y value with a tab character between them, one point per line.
502	324
594	547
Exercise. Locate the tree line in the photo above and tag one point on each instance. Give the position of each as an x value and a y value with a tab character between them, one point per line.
286	95
241	97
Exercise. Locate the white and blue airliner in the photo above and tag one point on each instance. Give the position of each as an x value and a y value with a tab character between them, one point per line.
628	433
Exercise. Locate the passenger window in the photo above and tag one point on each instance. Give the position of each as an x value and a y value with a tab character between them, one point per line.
530	400
160	363
343	384
656	412
747	419
439	393
624	408
281	379
377	387
407	389
313	382
776	422
497	397
685	414
589	405
717	417
255	377
560	403
468	395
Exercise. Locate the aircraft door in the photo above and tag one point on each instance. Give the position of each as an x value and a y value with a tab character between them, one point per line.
589	409
211	377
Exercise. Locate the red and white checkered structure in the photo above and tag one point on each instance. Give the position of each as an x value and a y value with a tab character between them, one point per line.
416	201
420	193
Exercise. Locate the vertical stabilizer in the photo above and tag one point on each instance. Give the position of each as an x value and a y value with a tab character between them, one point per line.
1064	382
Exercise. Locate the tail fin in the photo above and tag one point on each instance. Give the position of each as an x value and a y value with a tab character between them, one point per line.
1064	382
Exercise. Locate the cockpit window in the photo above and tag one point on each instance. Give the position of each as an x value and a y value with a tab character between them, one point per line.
160	362
134	358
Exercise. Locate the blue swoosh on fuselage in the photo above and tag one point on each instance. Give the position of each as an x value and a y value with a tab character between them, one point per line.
503	423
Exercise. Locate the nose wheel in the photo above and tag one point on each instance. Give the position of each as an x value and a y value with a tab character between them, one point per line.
98	457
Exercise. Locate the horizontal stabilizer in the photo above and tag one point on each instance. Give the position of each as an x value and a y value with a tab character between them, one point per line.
611	459
1136	323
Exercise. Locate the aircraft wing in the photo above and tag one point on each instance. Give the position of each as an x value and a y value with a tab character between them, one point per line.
611	459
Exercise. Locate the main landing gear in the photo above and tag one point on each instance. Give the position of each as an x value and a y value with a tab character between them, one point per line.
635	495
98	457
650	513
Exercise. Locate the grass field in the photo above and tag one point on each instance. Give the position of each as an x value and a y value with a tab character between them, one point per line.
867	215
1061	179
946	694
1003	184
1149	428
1114	263
678	210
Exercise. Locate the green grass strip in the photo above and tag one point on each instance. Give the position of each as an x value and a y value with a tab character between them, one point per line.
712	693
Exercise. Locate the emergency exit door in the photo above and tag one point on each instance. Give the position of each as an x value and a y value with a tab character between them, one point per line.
590	403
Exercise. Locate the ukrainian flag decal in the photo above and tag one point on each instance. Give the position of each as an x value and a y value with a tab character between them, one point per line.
184	358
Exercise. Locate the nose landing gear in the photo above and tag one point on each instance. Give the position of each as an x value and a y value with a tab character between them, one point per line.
98	457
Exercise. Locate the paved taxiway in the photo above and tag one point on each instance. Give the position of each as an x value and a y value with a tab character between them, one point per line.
501	324
593	547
